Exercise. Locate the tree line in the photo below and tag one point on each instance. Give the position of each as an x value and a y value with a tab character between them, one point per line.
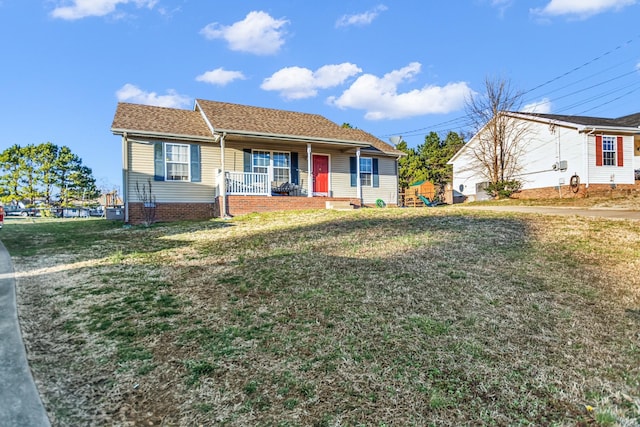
501	142
44	172
428	161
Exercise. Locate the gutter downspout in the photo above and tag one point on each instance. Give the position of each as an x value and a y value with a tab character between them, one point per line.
223	184
358	186
125	176
586	156
309	172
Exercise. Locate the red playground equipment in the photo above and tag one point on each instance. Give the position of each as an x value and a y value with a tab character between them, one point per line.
1	216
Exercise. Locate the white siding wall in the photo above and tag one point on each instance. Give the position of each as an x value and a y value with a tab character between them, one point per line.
609	174
543	149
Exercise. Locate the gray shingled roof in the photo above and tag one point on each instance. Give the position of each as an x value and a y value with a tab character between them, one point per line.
236	118
632	120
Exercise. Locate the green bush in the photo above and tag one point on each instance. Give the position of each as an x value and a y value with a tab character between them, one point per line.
503	189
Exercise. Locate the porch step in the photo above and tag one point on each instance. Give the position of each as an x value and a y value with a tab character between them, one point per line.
339	204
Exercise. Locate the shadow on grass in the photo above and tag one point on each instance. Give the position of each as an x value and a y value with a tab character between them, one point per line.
361	317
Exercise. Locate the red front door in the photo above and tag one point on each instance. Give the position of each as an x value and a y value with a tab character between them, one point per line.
321	174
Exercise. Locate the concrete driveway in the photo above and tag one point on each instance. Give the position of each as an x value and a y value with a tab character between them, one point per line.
566	211
20	404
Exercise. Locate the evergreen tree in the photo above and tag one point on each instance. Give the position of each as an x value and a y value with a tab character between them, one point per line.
35	171
46	155
10	178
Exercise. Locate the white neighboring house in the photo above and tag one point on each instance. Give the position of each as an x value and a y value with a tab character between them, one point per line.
600	152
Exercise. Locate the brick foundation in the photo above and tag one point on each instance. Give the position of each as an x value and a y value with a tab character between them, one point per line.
565	191
240	205
166	212
236	205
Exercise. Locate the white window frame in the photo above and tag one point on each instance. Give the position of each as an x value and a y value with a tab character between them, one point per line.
609	151
271	164
260	167
167	161
364	174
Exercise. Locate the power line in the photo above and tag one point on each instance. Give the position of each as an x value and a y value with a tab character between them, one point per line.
465	122
580	67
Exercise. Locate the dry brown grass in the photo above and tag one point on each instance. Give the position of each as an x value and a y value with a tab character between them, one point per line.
370	317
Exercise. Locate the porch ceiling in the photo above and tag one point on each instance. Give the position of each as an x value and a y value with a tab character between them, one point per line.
299	142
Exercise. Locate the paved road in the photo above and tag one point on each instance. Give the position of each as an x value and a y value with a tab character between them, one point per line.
20	404
568	211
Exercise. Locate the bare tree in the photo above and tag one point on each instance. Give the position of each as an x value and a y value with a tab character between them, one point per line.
500	136
148	200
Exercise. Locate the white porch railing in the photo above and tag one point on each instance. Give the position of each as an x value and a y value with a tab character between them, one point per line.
247	183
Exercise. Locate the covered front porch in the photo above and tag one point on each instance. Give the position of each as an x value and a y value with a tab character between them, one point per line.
258	184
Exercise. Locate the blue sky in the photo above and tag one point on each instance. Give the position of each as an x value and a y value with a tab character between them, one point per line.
399	67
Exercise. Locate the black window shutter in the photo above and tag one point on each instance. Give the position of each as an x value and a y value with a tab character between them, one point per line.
294	168
376	178
248	167
158	161
353	169
195	163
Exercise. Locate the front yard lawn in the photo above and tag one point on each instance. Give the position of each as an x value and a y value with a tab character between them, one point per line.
324	318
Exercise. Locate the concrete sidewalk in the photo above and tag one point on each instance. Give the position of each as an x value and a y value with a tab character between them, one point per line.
20	403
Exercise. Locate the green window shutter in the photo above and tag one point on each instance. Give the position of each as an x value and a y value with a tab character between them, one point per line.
195	163
248	167
353	170
158	161
294	168
376	177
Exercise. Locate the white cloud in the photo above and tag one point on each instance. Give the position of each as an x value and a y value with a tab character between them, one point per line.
299	83
220	77
131	93
361	19
79	9
258	33
581	8
502	5
380	99
542	106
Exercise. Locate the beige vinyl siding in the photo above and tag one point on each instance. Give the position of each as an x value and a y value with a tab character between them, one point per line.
142	170
388	190
341	180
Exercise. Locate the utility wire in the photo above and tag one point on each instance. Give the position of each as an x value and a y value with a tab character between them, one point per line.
463	120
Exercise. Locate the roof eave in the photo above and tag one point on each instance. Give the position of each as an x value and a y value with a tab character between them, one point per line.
622	129
297	138
162	135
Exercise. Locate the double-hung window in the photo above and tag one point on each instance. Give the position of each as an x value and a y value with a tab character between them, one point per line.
366	171
281	167
278	162
261	161
609	150
177	162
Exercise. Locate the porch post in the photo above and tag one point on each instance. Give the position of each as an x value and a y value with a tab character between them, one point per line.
358	186
309	172
223	184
